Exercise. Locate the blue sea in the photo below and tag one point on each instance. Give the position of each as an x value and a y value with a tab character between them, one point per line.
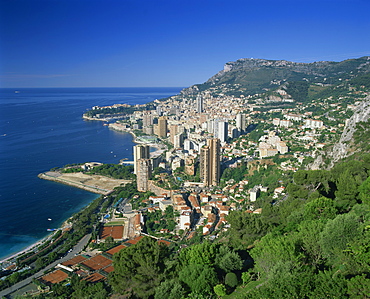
41	129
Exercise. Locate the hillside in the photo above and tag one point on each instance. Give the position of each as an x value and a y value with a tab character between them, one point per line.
252	76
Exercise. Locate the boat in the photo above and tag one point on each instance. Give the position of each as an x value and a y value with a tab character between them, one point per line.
51	229
49	219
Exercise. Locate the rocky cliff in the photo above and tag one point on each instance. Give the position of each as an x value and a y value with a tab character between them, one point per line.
347	145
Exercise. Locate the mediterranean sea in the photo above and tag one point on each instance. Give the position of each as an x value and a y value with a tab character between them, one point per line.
41	129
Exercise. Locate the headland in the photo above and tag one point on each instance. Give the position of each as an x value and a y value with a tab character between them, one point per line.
93	183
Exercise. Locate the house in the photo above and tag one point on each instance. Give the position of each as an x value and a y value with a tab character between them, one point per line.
206	210
254	193
164	204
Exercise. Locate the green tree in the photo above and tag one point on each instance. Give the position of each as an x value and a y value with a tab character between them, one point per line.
364	190
139	269
310	234
273	249
320	208
359	287
246	277
199	278
220	290
230	262
170	289
201	254
245	228
231	280
90	291
347	190
337	234
329	285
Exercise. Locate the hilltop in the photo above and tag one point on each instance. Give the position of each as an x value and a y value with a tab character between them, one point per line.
252	76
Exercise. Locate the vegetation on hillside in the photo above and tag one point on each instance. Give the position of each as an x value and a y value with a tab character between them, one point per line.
115	171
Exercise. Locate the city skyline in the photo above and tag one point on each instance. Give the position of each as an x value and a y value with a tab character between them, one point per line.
168	43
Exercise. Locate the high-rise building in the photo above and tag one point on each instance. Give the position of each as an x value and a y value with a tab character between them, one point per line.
241	123
140	152
199	104
178	140
147	119
159	110
222	131
144	171
189	165
210	162
162	127
173	132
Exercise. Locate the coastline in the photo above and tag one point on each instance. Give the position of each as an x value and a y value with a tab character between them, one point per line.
11	259
63	136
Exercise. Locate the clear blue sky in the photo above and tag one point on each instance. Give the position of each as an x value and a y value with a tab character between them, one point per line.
130	43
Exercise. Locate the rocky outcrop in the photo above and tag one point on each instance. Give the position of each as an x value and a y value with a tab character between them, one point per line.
342	148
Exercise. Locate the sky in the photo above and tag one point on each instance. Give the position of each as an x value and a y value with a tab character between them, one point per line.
158	43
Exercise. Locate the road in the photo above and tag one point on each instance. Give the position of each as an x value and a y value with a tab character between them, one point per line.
77	249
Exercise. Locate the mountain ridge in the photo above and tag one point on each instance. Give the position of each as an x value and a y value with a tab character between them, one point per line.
256	75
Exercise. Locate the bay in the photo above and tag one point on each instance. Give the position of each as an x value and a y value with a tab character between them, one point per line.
41	129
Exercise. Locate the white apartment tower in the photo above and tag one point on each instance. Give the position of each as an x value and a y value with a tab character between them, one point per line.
222	131
199	104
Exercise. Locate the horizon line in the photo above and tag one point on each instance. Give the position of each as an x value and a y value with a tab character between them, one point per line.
95	87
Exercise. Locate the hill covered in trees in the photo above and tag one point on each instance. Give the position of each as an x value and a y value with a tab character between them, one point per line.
251	76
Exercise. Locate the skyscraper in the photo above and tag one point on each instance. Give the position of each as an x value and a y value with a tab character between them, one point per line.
147	119
144	171
222	131
241	123
162	127
199	104
210	162
140	152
